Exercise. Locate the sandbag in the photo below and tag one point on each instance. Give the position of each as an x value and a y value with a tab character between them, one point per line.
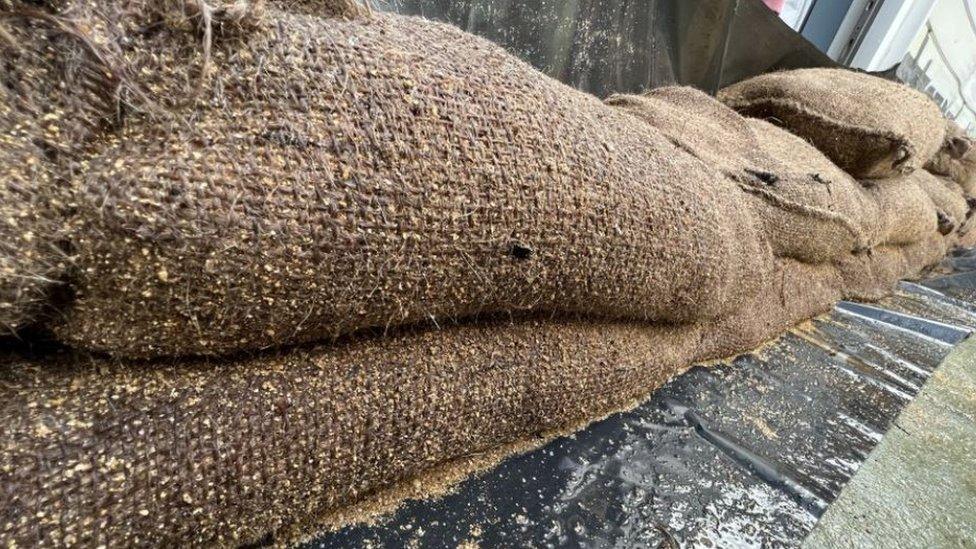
205	454
813	206
956	159
35	132
908	215
436	177
30	256
374	210
336	175
967	234
949	201
870	127
810	209
699	124
229	452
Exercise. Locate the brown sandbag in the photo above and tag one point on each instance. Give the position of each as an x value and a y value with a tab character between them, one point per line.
956	159
870	127
817	205
967	234
860	274
30	258
313	236
436	176
699	124
908	215
36	130
948	199
810	209
205	453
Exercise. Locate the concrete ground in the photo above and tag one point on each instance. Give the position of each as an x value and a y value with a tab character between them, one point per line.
918	487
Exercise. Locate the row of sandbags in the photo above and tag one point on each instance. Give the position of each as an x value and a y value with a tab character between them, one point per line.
426	185
333	176
279	445
879	132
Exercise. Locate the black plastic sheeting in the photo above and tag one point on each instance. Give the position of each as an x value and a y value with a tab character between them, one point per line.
744	454
608	46
961	285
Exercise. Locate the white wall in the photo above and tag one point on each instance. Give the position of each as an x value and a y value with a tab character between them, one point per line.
945	48
891	33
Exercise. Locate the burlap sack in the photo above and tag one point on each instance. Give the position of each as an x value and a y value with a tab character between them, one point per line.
967	234
870	127
699	124
36	133
268	447
949	201
335	175
201	454
385	171
421	191
814	208
799	291
956	159
65	86
908	215
30	258
810	209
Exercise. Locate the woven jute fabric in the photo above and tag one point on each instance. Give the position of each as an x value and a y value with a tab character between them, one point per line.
948	198
807	207
68	80
29	253
98	452
203	452
40	128
699	124
813	209
871	127
381	171
234	178
907	213
422	173
956	159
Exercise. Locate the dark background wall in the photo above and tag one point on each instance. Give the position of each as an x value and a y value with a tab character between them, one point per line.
605	46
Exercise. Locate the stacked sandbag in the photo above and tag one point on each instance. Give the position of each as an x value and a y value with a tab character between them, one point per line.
956	160
100	452
856	238
955	167
879	131
808	208
813	201
948	198
698	124
314	177
396	170
908	215
271	447
870	127
182	247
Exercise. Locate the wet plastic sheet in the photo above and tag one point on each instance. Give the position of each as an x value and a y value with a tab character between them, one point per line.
748	453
